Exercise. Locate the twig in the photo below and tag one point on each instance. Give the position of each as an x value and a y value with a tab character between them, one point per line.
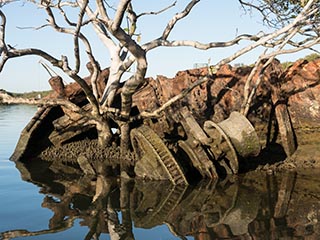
158	12
48	69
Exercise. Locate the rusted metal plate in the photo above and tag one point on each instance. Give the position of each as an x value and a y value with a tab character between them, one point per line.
286	129
69	125
29	133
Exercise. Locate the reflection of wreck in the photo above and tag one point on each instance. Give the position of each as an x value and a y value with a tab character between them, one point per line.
200	135
251	206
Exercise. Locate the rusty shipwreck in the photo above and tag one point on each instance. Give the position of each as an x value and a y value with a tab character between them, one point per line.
200	135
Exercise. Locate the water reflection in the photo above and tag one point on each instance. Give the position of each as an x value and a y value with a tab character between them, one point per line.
252	206
13	118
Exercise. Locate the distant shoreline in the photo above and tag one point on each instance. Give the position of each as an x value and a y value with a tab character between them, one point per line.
28	95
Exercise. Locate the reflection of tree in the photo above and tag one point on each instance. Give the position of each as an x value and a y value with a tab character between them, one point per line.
246	207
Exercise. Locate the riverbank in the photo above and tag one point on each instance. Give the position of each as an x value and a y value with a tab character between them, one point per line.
307	155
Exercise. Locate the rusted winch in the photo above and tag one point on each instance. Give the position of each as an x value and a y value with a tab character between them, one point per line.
232	138
215	145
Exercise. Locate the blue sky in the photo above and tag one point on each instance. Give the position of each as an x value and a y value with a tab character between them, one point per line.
209	21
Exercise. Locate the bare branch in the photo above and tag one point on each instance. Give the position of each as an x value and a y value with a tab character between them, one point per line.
65	15
62	64
178	17
294	50
35	28
77	33
3	47
13	53
132	84
4	2
202	46
47	68
301	17
132	17
53	23
138	53
248	97
103	12
260	9
5	98
158	12
122	7
98	25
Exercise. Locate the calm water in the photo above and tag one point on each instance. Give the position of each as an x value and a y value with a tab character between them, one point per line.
39	202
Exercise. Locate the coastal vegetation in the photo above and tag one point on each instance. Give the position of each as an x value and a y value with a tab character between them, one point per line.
33	94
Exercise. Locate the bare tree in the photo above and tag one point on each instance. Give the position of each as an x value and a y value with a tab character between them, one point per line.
116	27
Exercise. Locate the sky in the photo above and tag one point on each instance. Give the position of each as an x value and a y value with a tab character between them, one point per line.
209	21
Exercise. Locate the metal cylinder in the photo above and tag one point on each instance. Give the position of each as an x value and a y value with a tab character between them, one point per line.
242	134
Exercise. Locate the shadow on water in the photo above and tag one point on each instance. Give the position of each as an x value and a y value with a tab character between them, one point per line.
255	205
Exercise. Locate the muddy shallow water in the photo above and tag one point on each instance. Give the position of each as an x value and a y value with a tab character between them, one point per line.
40	201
